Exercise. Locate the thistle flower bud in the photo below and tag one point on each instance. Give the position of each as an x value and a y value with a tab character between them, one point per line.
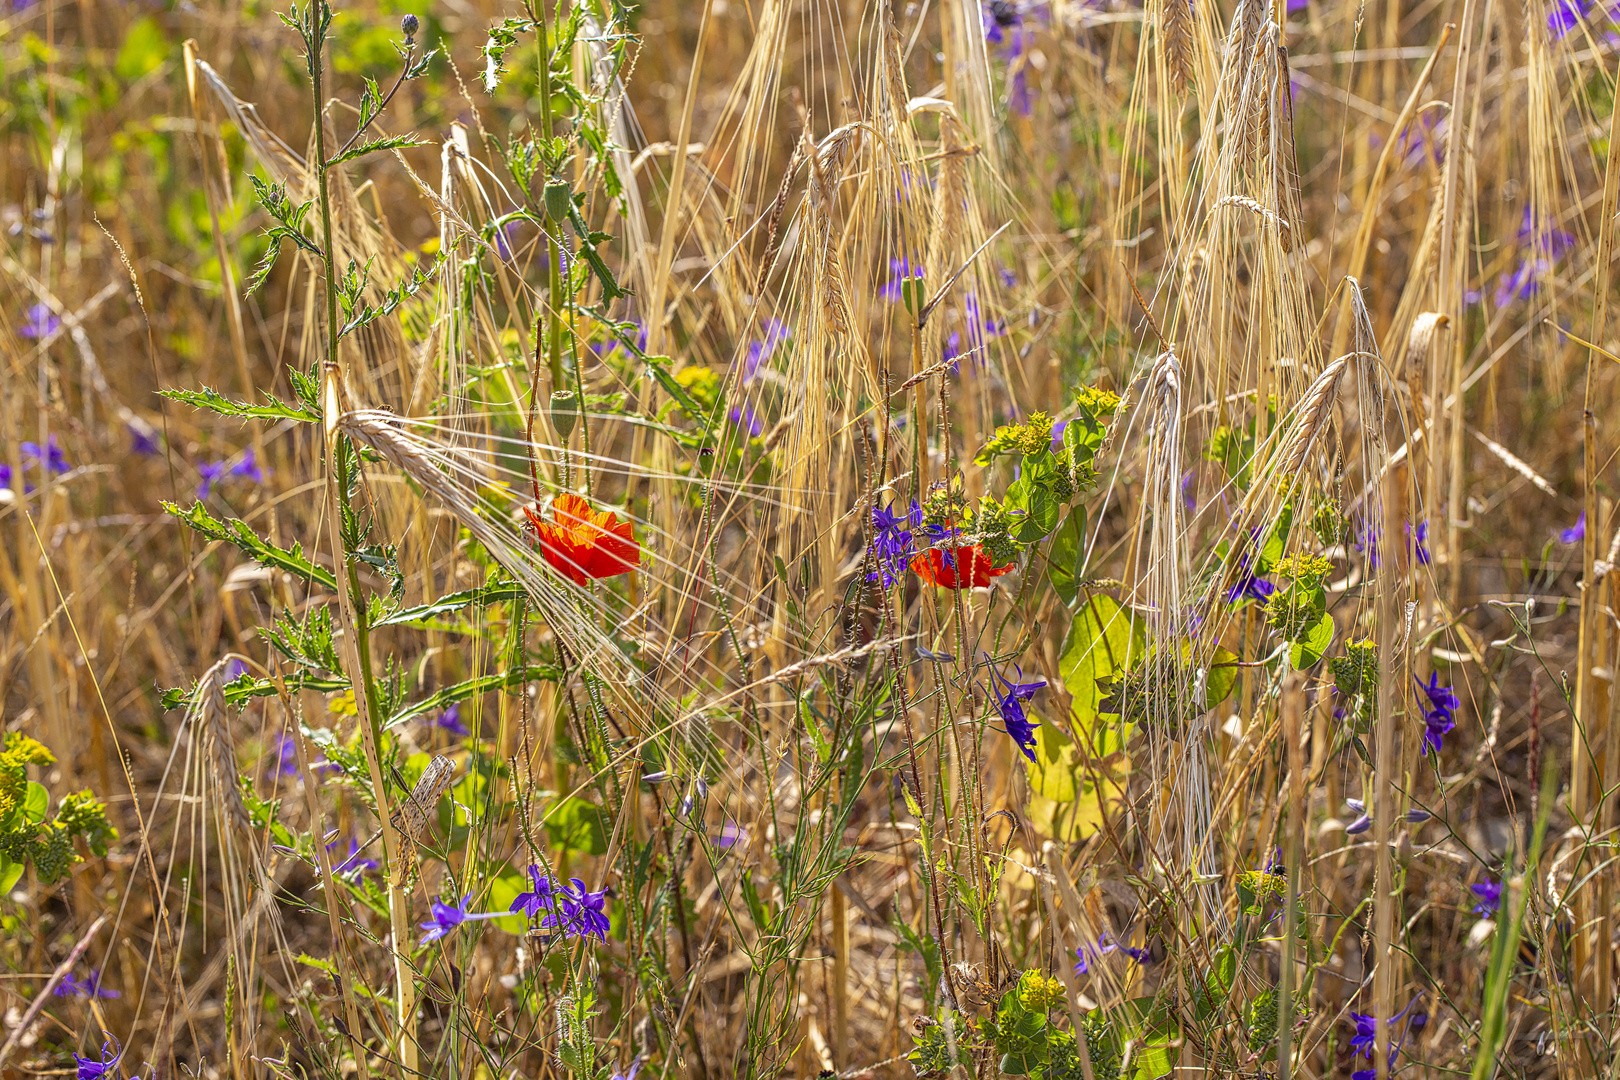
409	25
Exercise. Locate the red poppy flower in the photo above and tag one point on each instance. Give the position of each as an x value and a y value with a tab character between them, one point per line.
957	568
582	544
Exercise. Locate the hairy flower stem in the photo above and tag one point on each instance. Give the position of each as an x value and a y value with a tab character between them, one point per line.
351	601
897	667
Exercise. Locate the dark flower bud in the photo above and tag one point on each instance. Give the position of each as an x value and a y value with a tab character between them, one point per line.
409	25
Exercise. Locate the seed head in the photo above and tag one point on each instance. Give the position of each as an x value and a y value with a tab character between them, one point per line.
409	25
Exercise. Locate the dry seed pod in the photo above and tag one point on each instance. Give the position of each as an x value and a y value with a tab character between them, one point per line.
411	819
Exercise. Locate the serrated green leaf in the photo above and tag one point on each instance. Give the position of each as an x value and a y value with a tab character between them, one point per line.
391	142
451	602
483	684
237	533
208	398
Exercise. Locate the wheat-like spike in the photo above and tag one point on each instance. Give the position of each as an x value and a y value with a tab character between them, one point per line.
210	715
1313	414
1424	327
1285	164
1240	45
1176	32
826	170
1270	217
1257	95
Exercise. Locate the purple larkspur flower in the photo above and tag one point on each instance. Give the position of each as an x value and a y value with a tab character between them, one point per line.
1440	716
286	759
446	917
539	898
901	271
1010	698
353	865
5	476
578	912
635	1067
89	987
247	467
450	722
1248	586
211	472
39	322
1420	540
731	835
1565	15
1546	246
1007	278
747	419
892	543
775	332
1087	955
54	460
1575	533
1488	895
103	1067
143	440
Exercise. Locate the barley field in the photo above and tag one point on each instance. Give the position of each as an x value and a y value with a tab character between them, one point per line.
809	538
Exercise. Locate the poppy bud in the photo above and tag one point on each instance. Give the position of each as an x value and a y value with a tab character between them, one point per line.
559	200
409	25
564	411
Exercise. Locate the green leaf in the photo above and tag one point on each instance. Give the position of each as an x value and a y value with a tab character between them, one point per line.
1103	640
36	803
1153	1063
458	601
1276	539
1065	559
391	142
659	366
1223	675
143	51
1083	436
1042	510
1303	654
238	534
483	684
1051	774
576	825
10	873
272	409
